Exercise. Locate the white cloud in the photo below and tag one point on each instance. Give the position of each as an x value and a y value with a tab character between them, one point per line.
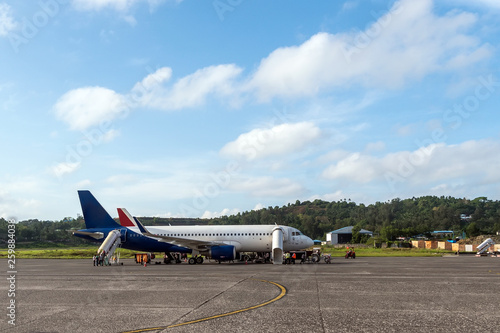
97	5
130	20
276	141
404	130
348	5
490	4
154	80
64	168
83	184
267	186
20	197
193	90
7	22
225	212
85	107
110	135
335	196
356	167
472	162
150	188
122	7
258	206
407	43
375	146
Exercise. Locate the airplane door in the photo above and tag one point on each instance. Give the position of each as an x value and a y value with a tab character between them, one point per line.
123	235
286	232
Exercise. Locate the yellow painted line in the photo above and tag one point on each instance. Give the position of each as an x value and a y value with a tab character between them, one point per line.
281	295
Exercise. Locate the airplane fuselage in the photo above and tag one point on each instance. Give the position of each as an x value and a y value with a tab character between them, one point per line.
245	238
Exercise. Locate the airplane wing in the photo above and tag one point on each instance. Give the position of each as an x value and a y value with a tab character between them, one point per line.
194	244
189	243
95	235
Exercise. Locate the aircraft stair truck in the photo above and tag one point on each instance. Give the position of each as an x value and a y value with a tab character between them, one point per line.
278	235
110	244
484	246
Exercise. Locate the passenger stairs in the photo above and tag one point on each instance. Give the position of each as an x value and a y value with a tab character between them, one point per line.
484	246
110	244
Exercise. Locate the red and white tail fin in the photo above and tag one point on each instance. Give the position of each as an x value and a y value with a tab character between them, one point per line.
126	220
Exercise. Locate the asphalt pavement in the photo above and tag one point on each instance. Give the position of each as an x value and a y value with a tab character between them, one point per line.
442	294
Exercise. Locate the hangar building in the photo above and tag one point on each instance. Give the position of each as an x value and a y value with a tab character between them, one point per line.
343	235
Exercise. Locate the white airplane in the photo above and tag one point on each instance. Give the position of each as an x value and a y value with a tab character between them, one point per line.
223	242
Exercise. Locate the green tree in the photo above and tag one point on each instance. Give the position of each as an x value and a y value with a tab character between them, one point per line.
356	235
472	230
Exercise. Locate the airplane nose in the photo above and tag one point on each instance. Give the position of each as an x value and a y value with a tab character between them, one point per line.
310	242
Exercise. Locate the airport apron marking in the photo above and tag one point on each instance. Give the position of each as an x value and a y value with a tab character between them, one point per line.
280	296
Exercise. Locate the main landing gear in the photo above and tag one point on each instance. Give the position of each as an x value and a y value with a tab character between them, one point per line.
195	260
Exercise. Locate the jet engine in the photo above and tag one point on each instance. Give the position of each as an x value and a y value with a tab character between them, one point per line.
222	252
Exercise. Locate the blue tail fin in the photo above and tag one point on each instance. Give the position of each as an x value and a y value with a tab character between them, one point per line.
95	216
142	228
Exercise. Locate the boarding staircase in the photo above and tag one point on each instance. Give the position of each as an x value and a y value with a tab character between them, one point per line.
484	246
110	244
279	236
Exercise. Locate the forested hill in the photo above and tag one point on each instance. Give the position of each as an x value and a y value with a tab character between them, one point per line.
389	219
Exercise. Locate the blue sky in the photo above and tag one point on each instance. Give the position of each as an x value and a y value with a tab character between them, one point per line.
197	109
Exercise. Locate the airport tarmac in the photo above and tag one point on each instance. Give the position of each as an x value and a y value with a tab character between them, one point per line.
442	294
